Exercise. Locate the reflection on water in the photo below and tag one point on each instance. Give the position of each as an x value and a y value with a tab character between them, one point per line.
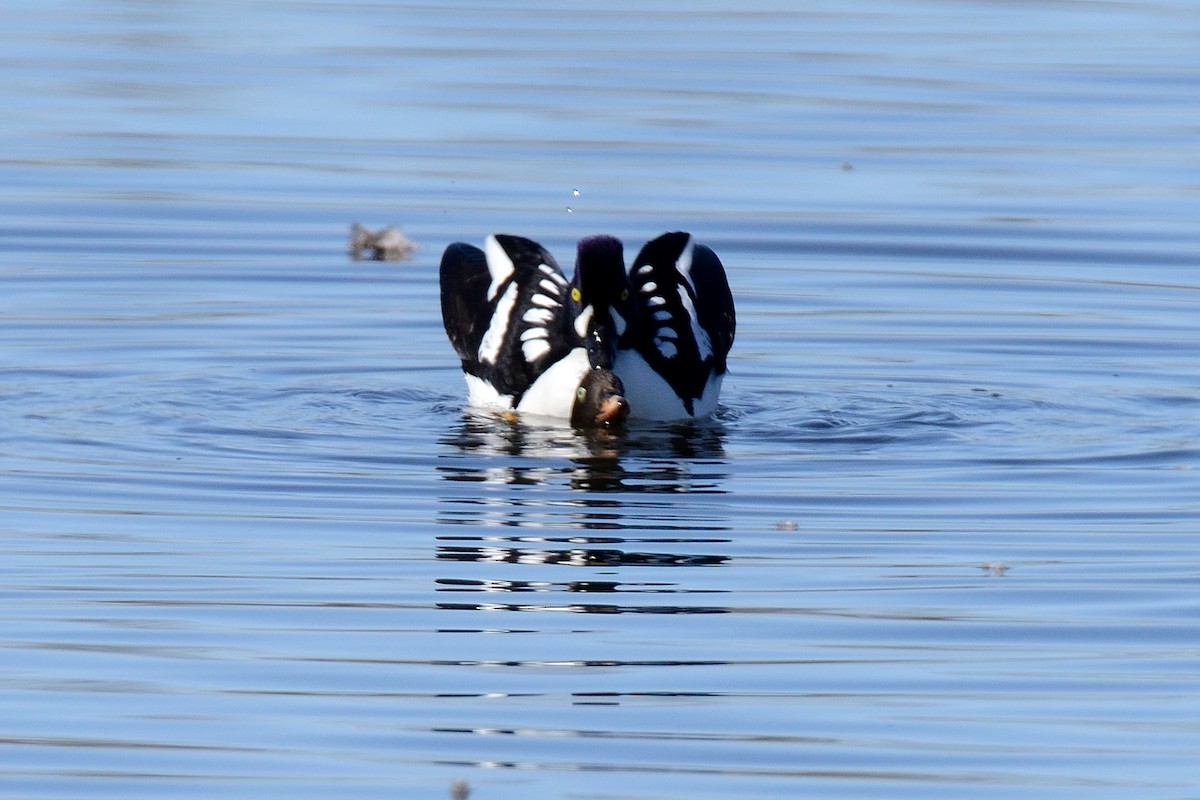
573	557
585	608
504	449
508	434
610	478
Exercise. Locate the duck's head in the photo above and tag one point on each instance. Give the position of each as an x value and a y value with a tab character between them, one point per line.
599	400
600	295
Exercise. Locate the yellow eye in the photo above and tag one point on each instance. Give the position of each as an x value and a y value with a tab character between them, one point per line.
624	295
581	393
576	295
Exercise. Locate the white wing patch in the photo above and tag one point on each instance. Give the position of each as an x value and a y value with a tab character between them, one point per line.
489	347
537	316
666	348
684	265
534	349
499	265
703	343
665	337
553	273
534	343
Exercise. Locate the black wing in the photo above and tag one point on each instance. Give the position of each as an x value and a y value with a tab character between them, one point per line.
714	303
466	311
685	318
504	311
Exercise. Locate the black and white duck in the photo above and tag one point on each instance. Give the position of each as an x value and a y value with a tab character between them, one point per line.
526	339
666	327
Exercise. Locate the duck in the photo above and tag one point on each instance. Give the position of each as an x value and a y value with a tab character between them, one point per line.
665	327
526	341
386	244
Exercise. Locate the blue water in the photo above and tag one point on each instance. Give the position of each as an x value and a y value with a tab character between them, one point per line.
942	540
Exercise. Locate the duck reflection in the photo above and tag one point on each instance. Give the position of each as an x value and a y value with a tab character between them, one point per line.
577	557
573	587
594	500
490	448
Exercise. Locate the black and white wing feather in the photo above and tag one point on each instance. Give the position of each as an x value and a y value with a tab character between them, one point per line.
685	320
504	309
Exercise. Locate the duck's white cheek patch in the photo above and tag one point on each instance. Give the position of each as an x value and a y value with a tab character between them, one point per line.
583	322
618	321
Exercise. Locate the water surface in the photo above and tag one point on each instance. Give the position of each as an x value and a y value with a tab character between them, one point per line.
941	539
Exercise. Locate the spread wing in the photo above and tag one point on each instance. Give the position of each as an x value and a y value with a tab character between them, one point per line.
685	316
714	303
504	308
466	311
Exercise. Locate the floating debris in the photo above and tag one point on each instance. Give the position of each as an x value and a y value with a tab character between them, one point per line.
787	525
387	244
459	790
994	569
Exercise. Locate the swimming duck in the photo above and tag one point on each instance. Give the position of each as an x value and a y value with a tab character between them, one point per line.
526	339
667	326
386	244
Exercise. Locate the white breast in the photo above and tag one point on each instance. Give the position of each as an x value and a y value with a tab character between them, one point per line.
553	393
652	398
